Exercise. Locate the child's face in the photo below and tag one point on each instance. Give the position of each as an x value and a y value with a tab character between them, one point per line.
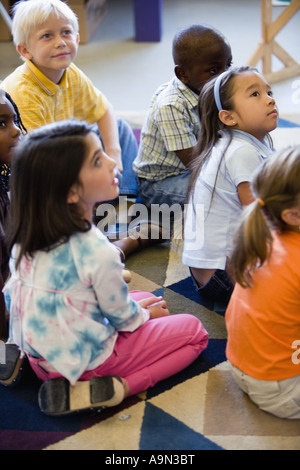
52	47
211	61
98	181
9	130
255	110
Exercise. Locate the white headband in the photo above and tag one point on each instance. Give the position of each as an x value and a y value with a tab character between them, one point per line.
217	91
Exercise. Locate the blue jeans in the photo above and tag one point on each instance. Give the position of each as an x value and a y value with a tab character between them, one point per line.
129	148
219	287
172	190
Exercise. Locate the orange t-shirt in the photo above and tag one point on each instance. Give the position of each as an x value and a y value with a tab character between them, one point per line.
263	321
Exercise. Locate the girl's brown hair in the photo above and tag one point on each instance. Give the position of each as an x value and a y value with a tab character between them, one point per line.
276	187
46	164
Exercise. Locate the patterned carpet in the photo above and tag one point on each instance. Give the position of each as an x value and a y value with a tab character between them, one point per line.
200	408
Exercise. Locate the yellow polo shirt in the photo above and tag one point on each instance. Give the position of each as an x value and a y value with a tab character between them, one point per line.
40	101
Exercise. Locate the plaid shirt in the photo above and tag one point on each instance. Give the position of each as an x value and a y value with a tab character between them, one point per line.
40	101
172	124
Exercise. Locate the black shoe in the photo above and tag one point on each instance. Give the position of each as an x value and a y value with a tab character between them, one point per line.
12	369
58	397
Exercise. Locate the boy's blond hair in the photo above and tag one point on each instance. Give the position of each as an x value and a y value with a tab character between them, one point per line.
30	14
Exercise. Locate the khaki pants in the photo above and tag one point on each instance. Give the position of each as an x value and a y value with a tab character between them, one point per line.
280	398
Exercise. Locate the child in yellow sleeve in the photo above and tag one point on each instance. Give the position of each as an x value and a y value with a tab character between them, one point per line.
48	87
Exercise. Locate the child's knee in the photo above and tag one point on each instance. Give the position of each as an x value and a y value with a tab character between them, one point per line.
194	328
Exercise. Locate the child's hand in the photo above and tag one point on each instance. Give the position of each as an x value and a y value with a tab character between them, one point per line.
156	306
158	310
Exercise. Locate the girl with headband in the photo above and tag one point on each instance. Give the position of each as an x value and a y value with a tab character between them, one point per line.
237	111
262	318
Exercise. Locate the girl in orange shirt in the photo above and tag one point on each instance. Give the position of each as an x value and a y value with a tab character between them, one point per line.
262	317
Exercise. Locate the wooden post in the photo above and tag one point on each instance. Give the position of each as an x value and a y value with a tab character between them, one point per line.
268	46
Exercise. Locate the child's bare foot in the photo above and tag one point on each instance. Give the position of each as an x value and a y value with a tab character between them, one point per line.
141	236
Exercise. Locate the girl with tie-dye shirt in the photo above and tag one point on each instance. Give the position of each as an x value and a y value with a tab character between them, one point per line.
90	340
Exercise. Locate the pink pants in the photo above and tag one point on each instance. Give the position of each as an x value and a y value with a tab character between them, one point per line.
156	350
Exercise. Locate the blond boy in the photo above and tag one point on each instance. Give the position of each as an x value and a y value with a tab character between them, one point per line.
49	87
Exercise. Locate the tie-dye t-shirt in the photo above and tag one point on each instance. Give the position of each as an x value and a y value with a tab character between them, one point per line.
67	305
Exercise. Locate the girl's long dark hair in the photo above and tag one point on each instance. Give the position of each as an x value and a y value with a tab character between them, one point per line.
46	164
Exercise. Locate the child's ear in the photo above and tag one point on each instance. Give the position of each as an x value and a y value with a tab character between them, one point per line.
291	216
227	117
181	74
24	52
73	197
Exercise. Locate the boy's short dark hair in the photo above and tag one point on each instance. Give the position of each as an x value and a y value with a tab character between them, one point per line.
188	41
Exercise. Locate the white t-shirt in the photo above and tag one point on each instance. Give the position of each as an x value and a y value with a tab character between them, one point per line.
210	223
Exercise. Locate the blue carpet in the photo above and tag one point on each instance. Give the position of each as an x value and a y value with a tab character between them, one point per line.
162	431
